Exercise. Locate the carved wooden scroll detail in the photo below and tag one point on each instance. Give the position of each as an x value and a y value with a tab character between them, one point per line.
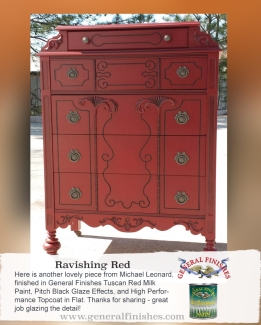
128	223
144	104
53	43
109	104
66	219
189	225
204	39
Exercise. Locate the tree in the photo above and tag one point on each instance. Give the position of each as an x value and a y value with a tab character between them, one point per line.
141	18
216	26
134	19
213	24
43	25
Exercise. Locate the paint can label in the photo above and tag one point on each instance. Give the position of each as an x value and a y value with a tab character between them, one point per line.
203	300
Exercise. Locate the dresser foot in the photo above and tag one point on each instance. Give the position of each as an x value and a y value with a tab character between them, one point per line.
210	245
51	244
78	233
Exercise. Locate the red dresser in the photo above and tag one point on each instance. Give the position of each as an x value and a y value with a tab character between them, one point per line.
129	124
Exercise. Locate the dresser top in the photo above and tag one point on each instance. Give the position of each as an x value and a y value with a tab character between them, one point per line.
102	39
128	26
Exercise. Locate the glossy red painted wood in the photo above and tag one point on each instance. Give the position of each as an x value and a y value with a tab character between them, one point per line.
127	193
51	245
83	182
72	75
126	120
131	223
192	148
193	187
194	107
127	154
127	74
62	106
72	153
129	102
196	73
145	39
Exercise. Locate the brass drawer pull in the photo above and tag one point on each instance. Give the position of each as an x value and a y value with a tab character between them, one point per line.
181	158
74	155
85	40
75	193
183	72
181	197
182	117
167	38
72	73
73	117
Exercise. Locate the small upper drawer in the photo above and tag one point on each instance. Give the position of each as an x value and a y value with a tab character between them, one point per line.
184	73
128	39
72	75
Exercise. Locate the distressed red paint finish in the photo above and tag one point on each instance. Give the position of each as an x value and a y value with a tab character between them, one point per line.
129	119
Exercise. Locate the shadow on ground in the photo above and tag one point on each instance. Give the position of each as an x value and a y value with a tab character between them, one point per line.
130	245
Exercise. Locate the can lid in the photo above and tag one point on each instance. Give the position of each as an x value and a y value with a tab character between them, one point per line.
203	284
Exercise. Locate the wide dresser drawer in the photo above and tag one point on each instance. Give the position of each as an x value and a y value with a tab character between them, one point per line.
128	39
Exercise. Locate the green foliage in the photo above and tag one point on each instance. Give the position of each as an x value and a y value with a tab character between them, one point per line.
141	18
213	24
134	19
216	26
35	110
43	25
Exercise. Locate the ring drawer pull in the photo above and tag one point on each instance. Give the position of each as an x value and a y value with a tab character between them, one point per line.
73	117
183	72
74	155
182	117
75	193
181	197
72	73
181	158
167	38
85	40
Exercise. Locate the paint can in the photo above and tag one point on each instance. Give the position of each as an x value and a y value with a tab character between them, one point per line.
203	300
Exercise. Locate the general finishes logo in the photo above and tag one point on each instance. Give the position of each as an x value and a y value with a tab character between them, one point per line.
193	267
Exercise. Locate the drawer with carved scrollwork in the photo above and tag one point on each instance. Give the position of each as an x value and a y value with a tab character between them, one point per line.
120	74
129	118
141	114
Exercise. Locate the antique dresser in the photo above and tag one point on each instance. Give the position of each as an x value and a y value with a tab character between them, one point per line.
129	126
